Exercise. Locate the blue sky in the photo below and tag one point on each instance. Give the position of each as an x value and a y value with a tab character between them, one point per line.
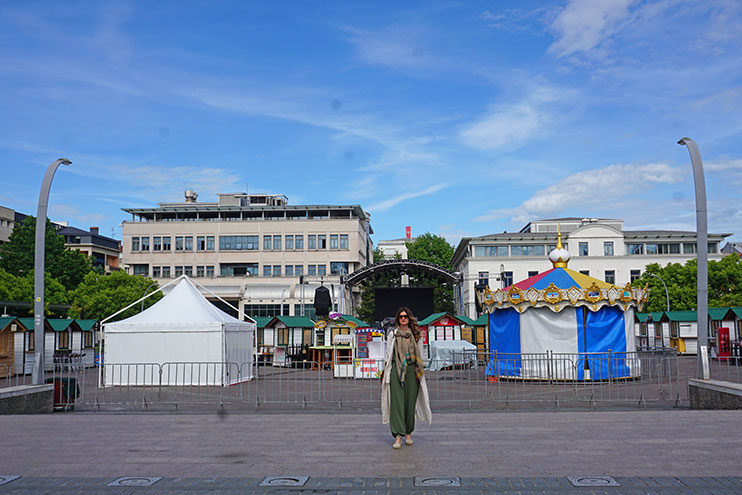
458	118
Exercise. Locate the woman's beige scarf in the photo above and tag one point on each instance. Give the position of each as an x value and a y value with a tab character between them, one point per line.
405	348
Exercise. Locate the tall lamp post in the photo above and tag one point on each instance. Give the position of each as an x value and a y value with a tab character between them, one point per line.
37	376
667	295
702	251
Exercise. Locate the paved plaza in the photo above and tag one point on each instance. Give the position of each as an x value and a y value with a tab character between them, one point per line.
670	451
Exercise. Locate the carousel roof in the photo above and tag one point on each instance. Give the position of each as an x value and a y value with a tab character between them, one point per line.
561	287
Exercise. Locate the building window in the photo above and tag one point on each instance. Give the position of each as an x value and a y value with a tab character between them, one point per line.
527	250
321	241
507	279
156	272
189	243
483	278
188	270
643	329
311	270
266	270
608	248
145	243
343	241
63	340
610	276
276	270
321	269
298	270
165	272
582	249
166	246
689	248
267	243
210	271
339	267
276	242
236	269
87	340
135	243
311	241
31	344
141	270
299	242
157	243
651	248
634	249
532	273
200	271
289	242
289	270
201	243
658	329
178	271
333	241
209	242
238	243
634	274
179	243
713	247
585	272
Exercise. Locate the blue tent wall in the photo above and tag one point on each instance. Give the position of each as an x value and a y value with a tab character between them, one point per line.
504	333
606	331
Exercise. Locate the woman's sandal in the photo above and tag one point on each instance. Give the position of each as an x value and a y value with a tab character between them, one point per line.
397	443
408	441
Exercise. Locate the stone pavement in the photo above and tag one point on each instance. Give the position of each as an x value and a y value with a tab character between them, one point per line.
672	451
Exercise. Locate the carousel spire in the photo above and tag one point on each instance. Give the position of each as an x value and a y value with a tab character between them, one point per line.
559	257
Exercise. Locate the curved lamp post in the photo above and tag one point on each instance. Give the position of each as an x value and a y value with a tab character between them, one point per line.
702	252
37	377
153	284
667	295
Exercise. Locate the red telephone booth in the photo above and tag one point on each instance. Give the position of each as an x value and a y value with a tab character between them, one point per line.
724	345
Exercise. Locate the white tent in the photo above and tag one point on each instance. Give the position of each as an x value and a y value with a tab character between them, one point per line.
192	341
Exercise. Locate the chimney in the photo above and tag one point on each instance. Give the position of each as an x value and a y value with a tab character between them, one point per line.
94	230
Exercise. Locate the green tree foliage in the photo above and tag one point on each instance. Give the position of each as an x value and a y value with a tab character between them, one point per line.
21	289
100	296
67	266
725	284
433	249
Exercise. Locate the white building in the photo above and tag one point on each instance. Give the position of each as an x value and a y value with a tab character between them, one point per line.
600	248
251	249
395	247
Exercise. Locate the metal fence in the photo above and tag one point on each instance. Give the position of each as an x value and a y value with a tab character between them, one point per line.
468	381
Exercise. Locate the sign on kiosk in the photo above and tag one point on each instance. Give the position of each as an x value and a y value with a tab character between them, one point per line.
369	361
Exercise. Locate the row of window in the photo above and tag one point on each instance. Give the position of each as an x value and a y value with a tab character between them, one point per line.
241	270
507	277
287	242
61	340
632	249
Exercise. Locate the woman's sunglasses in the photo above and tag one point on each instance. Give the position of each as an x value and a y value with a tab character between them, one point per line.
403	316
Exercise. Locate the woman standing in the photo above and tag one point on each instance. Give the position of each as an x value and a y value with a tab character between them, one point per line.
404	394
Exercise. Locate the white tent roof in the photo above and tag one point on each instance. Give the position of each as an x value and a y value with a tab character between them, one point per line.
182	306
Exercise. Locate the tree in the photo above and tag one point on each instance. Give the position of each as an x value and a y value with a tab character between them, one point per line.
366	309
21	289
725	284
17	255
433	249
100	296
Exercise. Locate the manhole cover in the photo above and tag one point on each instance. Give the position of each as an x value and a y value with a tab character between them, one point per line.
284	481
433	482
7	479
136	481
592	481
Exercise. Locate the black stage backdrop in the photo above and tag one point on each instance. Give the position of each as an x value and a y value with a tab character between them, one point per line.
389	299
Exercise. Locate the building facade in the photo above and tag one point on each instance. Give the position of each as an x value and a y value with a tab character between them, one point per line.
104	251
252	250
599	247
7	223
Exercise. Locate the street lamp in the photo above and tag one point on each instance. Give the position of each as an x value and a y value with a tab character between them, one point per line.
153	284
702	253
37	376
667	295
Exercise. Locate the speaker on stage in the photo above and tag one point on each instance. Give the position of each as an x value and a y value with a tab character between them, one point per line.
322	301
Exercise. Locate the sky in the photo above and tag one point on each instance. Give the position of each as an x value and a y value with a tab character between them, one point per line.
459	118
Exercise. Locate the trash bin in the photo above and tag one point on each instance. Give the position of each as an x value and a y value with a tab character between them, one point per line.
66	391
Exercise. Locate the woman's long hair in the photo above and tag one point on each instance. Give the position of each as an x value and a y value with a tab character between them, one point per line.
412	322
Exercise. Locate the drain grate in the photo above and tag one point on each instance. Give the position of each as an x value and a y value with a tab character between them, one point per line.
437	482
592	481
7	479
136	481
284	481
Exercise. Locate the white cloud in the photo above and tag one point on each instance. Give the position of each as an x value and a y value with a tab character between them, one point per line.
598	188
398	198
513	124
584	24
728	164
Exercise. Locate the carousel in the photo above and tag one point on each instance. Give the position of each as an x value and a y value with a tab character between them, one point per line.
562	324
